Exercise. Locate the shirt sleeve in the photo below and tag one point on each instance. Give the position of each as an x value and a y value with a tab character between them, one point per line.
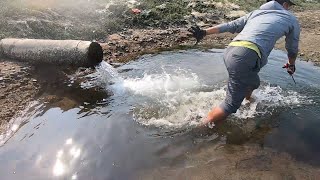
292	40
235	26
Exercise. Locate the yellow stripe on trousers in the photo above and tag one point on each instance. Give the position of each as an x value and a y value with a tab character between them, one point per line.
246	44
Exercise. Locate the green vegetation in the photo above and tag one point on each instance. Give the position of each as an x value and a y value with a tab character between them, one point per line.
161	14
248	5
88	20
306	4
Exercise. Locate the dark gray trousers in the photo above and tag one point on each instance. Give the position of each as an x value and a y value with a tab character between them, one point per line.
243	66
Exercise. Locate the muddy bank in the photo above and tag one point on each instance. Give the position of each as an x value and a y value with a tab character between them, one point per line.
128	45
18	88
310	35
132	43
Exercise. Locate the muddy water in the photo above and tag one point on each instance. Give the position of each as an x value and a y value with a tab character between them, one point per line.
150	121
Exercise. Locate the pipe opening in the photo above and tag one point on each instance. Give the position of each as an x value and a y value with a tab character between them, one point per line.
95	54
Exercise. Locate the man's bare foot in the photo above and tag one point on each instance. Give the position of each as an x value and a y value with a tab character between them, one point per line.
216	114
250	99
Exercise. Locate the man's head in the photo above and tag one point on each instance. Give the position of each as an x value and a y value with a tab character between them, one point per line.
285	3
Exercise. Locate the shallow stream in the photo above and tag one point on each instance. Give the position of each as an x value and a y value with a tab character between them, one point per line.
150	120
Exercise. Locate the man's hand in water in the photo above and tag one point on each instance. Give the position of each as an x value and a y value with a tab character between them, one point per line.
206	124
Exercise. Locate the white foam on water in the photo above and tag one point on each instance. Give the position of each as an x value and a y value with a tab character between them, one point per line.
165	84
108	71
177	99
267	98
105	74
177	107
187	110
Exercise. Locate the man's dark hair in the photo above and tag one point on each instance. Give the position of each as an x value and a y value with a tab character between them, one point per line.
281	1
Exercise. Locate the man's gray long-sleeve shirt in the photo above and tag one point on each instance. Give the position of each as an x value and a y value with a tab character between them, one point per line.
264	27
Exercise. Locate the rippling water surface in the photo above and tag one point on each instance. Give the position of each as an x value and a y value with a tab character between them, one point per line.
150	120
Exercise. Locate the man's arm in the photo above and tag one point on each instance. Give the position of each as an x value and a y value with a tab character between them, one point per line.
212	30
235	26
292	42
292	60
292	46
232	27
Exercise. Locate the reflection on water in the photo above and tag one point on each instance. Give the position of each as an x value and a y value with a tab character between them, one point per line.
149	124
74	177
19	121
58	168
66	158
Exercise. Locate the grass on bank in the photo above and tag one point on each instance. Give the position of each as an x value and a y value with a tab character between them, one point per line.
89	20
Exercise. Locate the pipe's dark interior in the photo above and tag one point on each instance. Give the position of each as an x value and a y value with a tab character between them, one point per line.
95	54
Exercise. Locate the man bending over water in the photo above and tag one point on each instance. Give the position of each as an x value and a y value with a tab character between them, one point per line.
248	52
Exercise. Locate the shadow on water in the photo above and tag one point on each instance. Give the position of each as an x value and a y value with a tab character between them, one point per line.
114	123
63	89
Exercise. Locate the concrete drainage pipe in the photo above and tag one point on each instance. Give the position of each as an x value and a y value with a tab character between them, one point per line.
60	52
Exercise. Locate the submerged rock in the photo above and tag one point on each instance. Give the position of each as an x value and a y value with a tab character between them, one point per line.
259	162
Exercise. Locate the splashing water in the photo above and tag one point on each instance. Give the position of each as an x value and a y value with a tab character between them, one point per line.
108	71
163	85
179	99
190	108
178	112
267	98
105	74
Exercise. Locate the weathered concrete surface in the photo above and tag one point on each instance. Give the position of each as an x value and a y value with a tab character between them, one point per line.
61	52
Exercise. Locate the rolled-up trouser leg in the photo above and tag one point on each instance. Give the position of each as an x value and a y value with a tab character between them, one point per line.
243	65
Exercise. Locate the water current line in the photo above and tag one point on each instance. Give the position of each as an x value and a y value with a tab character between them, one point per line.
109	71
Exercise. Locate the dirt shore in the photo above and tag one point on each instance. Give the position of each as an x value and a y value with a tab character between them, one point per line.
20	84
128	45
